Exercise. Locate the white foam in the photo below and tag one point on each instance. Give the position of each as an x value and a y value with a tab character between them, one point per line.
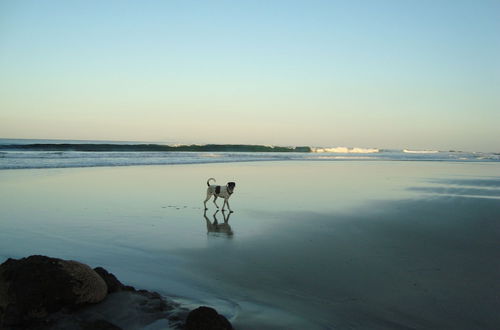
14	159
420	151
342	157
346	150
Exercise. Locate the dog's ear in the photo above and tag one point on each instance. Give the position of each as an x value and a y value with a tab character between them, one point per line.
231	184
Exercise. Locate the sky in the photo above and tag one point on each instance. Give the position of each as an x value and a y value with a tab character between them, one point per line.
416	74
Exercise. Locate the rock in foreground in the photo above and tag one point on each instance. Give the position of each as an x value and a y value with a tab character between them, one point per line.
44	293
32	288
206	318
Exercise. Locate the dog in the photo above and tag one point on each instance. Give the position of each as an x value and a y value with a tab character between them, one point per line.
219	191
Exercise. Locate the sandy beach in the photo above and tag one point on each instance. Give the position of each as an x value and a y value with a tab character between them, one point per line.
311	244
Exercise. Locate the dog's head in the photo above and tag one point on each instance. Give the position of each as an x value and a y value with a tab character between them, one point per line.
231	185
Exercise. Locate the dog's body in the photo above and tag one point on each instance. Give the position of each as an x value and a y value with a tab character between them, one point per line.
219	191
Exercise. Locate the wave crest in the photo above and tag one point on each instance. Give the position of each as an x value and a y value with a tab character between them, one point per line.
420	151
345	150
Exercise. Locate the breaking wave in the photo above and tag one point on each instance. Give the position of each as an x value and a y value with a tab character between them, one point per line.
18	154
420	151
345	150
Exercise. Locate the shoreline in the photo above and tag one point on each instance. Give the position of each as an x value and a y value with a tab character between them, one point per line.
236	162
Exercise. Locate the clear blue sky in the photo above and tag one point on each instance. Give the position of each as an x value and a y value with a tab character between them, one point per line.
389	74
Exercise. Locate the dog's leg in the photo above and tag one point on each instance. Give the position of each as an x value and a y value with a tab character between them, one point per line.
215	198
228	207
205	202
223	205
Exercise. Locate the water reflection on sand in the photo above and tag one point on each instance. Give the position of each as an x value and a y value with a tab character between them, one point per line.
349	245
217	228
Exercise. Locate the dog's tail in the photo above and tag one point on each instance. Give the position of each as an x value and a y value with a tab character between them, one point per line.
208	181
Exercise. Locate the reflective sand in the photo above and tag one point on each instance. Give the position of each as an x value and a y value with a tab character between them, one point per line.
311	244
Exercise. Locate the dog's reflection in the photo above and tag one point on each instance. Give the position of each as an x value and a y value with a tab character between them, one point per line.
216	227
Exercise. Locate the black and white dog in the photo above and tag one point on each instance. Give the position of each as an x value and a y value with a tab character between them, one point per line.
219	191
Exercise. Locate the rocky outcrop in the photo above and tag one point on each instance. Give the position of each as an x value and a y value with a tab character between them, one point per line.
32	288
43	293
206	318
114	285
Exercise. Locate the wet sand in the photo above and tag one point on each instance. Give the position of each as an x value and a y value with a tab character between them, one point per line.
317	245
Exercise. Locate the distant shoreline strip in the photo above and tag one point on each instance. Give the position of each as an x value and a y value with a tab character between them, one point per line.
106	147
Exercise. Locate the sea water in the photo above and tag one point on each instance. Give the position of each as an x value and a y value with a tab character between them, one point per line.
19	154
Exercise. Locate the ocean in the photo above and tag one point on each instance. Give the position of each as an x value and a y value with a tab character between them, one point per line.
333	238
25	153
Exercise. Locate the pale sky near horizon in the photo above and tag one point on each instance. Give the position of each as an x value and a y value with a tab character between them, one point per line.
388	74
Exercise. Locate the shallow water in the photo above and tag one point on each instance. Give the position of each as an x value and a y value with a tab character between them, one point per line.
317	245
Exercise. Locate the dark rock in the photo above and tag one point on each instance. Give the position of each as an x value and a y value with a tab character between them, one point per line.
206	318
33	287
43	293
99	325
114	285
